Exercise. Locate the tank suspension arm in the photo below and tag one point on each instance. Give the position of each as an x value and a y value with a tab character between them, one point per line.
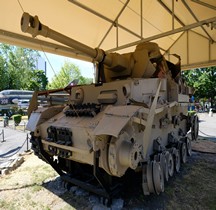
33	26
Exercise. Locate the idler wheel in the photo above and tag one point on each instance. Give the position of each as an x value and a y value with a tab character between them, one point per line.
158	178
170	163
189	148
150	177
177	160
183	153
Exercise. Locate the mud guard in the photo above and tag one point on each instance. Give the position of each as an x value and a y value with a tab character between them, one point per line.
114	120
40	115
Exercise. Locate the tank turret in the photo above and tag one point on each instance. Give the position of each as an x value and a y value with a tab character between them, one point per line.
135	118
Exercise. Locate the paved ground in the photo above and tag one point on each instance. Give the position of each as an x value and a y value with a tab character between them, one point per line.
14	143
207	126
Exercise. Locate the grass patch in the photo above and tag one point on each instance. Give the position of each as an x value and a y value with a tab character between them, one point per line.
41	176
195	188
36	188
4	205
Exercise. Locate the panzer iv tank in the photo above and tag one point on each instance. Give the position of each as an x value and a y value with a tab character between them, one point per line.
134	118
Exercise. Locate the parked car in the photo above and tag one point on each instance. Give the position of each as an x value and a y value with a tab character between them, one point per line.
23	104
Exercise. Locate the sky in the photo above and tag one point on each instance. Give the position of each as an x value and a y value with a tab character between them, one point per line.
57	61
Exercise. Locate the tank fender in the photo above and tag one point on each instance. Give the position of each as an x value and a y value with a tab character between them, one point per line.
114	119
42	114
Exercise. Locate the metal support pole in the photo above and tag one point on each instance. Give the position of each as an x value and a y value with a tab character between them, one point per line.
141	19
24	126
173	16
27	143
2	133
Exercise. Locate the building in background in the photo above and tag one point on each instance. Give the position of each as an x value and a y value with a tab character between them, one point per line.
41	65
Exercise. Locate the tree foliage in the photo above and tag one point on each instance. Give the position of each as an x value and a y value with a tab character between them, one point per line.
4	79
18	69
38	80
204	82
68	73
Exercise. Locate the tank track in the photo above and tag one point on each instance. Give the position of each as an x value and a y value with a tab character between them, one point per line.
35	146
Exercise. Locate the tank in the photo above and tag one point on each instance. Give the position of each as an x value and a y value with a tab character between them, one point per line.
134	119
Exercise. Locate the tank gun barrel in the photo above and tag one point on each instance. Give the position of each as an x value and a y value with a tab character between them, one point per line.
33	26
135	64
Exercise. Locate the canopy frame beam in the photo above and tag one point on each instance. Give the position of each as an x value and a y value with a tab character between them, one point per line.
115	24
170	12
204	4
37	44
195	17
167	33
103	17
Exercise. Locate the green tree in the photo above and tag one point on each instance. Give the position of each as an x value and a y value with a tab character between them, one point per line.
17	67
3	74
38	80
68	73
204	82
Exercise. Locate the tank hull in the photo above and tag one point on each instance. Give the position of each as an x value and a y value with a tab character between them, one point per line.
128	125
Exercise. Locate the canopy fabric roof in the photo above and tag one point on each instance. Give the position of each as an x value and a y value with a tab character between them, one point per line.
183	27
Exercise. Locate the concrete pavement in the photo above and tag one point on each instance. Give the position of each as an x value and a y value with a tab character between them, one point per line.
15	142
207	126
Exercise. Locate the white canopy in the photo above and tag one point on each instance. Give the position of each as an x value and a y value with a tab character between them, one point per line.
183	27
